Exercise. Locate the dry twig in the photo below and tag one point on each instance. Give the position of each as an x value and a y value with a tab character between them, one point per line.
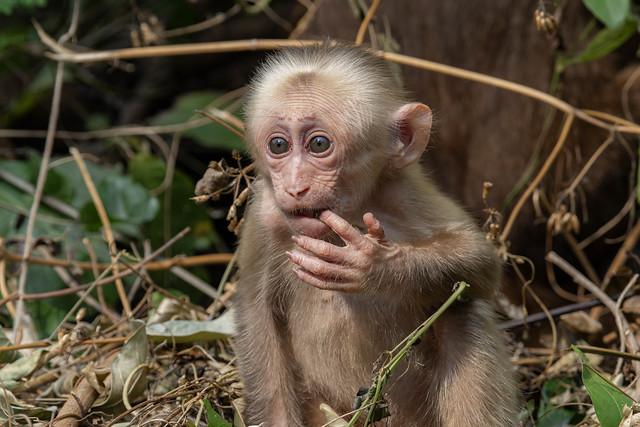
106	227
366	21
626	336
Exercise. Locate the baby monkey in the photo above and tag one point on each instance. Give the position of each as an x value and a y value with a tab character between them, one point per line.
347	247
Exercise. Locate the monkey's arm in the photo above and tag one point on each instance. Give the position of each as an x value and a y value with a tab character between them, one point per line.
369	263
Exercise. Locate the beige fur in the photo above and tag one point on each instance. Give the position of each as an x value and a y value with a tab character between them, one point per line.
298	345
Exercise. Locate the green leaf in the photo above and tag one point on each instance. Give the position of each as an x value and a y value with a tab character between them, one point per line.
147	169
211	135
555	417
213	418
183	212
7	6
610	12
604	42
48	313
608	400
127	203
7	356
548	414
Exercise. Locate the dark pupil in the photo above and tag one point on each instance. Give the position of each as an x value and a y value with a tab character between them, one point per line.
319	144
278	146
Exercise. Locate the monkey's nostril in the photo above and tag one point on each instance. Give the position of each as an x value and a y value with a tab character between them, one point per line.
298	192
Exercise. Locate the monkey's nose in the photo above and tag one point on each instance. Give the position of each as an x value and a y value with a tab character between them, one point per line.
298	192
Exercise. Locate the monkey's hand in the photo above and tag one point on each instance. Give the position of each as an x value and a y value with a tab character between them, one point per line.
343	268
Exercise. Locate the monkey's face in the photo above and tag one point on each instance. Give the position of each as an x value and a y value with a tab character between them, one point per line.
320	147
301	155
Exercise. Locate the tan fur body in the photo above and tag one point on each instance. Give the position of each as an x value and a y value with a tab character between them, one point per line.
299	346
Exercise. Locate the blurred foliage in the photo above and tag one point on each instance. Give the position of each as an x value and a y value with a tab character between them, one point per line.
143	204
550	414
212	135
621	23
7	6
611	12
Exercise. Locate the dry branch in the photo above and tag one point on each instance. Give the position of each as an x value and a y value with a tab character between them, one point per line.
626	335
177	261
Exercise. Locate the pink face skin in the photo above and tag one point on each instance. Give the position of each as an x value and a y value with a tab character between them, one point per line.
302	155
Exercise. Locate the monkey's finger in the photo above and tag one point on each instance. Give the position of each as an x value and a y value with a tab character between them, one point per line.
321	268
342	228
374	228
322	249
325	285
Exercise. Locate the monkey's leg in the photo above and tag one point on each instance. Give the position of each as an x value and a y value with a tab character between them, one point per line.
266	370
476	384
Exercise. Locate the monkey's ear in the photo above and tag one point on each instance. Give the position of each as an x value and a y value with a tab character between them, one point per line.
413	124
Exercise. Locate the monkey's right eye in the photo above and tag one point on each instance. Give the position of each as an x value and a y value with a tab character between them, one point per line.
278	145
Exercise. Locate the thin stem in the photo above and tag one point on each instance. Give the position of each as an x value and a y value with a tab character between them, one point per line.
541	174
106	226
21	315
366	21
399	353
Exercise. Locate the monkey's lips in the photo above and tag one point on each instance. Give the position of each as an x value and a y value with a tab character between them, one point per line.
305	221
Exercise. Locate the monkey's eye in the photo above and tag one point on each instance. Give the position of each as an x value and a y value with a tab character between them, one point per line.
319	144
278	145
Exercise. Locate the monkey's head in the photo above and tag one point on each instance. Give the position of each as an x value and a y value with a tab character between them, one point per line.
325	125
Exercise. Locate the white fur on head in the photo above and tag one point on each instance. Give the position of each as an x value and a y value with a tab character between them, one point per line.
360	84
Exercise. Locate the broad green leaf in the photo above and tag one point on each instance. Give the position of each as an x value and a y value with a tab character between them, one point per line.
48	313
213	418
610	12
127	203
189	331
608	400
147	170
211	135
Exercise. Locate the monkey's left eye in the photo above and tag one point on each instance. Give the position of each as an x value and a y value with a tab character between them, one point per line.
319	144
278	145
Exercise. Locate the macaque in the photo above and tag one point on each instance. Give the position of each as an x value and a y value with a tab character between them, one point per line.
347	246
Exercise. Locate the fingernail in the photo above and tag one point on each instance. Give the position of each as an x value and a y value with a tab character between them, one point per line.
295	238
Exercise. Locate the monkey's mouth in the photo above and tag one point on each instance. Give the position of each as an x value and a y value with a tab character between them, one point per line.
306	212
